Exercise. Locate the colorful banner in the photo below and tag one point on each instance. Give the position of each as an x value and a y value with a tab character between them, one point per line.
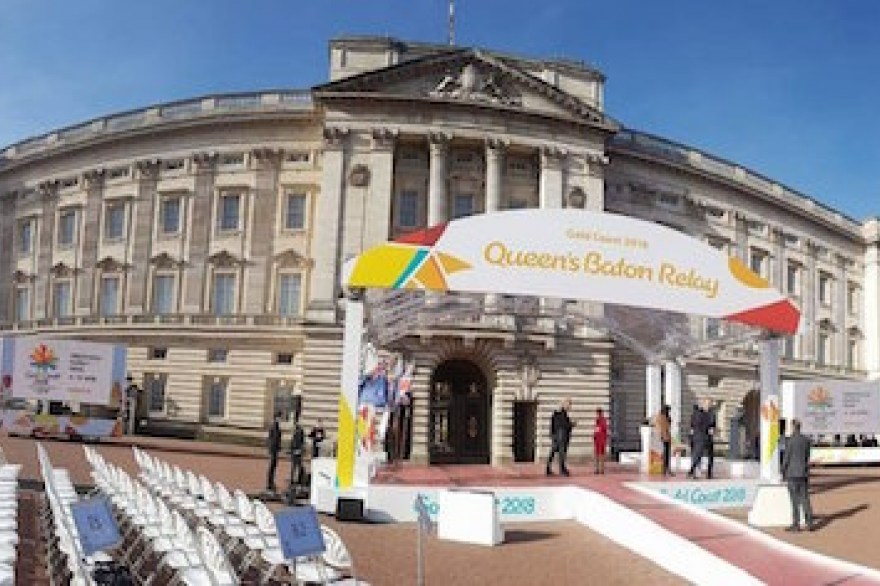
833	407
66	370
21	422
574	254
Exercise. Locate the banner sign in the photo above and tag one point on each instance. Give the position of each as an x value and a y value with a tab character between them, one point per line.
20	422
715	494
67	370
95	525
833	407
579	255
299	532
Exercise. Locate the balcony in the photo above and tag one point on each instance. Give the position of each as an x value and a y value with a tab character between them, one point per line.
148	322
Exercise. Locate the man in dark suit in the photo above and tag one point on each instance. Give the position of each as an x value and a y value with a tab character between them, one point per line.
560	435
712	414
297	444
701	422
273	442
796	472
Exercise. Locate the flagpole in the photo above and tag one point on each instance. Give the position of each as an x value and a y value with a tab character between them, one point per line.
451	22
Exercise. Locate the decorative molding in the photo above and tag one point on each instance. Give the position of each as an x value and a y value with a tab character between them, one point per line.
225	259
576	198
93	179
205	161
359	176
290	258
166	261
64	270
108	264
439	140
384	138
335	137
267	156
20	277
148	169
477	84
496	146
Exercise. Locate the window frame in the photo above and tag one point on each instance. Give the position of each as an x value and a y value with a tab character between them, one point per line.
68	310
17	313
19	236
64	213
281	275
217	274
289	196
105	277
113	206
163	378
222	197
153	289
213	383
165	201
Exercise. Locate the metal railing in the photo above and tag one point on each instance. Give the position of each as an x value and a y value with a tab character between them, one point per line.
217	105
194	320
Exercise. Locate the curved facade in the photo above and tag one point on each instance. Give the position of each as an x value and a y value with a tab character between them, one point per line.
208	235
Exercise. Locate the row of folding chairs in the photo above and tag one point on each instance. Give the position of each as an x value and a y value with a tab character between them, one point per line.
245	526
67	563
8	520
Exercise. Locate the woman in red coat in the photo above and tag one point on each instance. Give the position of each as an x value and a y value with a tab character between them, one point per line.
600	441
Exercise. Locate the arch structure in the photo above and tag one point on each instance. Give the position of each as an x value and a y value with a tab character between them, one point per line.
636	280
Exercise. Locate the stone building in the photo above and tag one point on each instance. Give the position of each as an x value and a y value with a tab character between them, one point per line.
208	236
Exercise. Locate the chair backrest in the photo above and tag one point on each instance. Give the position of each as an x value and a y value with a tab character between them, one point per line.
193	485
336	554
226	501
264	518
208	492
244	508
179	479
215	560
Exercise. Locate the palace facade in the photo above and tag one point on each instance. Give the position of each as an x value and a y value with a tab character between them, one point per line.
208	235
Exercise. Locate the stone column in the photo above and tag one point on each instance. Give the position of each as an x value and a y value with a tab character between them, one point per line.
437	196
653	392
89	237
777	277
141	233
494	174
377	224
840	311
741	235
327	233
672	383
809	303
550	190
870	295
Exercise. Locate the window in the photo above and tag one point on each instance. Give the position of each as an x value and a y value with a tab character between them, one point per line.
295	211
227	216
792	278
853	298
114	221
22	304
713	381
61	299
232	159
284	358
289	293
758	262
158	353
163	294
791	240
223	298
69	183
118	173
157	394
713	328
408	209
297	157
170	212
462	205
66	227
825	288
216	402
715	213
25	236
173	165
217	354
285	403
823	350
109	296
852	354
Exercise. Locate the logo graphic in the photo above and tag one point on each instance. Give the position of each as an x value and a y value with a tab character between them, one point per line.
43	359
819	398
770	414
409	262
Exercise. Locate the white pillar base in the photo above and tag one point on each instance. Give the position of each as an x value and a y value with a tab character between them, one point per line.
771	507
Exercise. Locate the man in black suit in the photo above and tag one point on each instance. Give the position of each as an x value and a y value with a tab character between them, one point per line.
796	471
701	422
297	444
560	435
712	414
273	442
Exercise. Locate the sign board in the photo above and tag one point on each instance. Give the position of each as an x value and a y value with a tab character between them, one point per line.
593	256
66	370
833	407
715	494
299	532
425	523
95	524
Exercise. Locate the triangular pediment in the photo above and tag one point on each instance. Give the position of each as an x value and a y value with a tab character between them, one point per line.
467	76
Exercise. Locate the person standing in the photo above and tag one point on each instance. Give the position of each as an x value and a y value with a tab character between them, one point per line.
297	442
700	422
560	435
600	441
711	413
664	428
273	442
796	471
317	435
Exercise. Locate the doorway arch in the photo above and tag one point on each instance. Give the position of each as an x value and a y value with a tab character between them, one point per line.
459	421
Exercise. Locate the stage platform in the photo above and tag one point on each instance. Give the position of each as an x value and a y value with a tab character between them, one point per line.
645	514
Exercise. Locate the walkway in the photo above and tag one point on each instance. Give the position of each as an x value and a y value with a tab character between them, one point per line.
770	560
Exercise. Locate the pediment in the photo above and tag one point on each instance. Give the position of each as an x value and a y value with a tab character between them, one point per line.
108	264
290	258
163	260
471	77
225	259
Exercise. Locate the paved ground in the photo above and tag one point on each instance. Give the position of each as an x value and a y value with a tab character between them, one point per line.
556	553
846	503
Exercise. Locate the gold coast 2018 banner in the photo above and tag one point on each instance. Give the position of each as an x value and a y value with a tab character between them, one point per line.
574	254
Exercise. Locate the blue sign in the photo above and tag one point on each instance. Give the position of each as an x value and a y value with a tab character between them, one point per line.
421	507
95	524
299	532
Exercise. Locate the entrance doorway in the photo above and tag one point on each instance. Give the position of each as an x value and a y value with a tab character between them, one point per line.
525	430
459	416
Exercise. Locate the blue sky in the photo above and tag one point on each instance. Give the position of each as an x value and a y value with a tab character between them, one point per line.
788	88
